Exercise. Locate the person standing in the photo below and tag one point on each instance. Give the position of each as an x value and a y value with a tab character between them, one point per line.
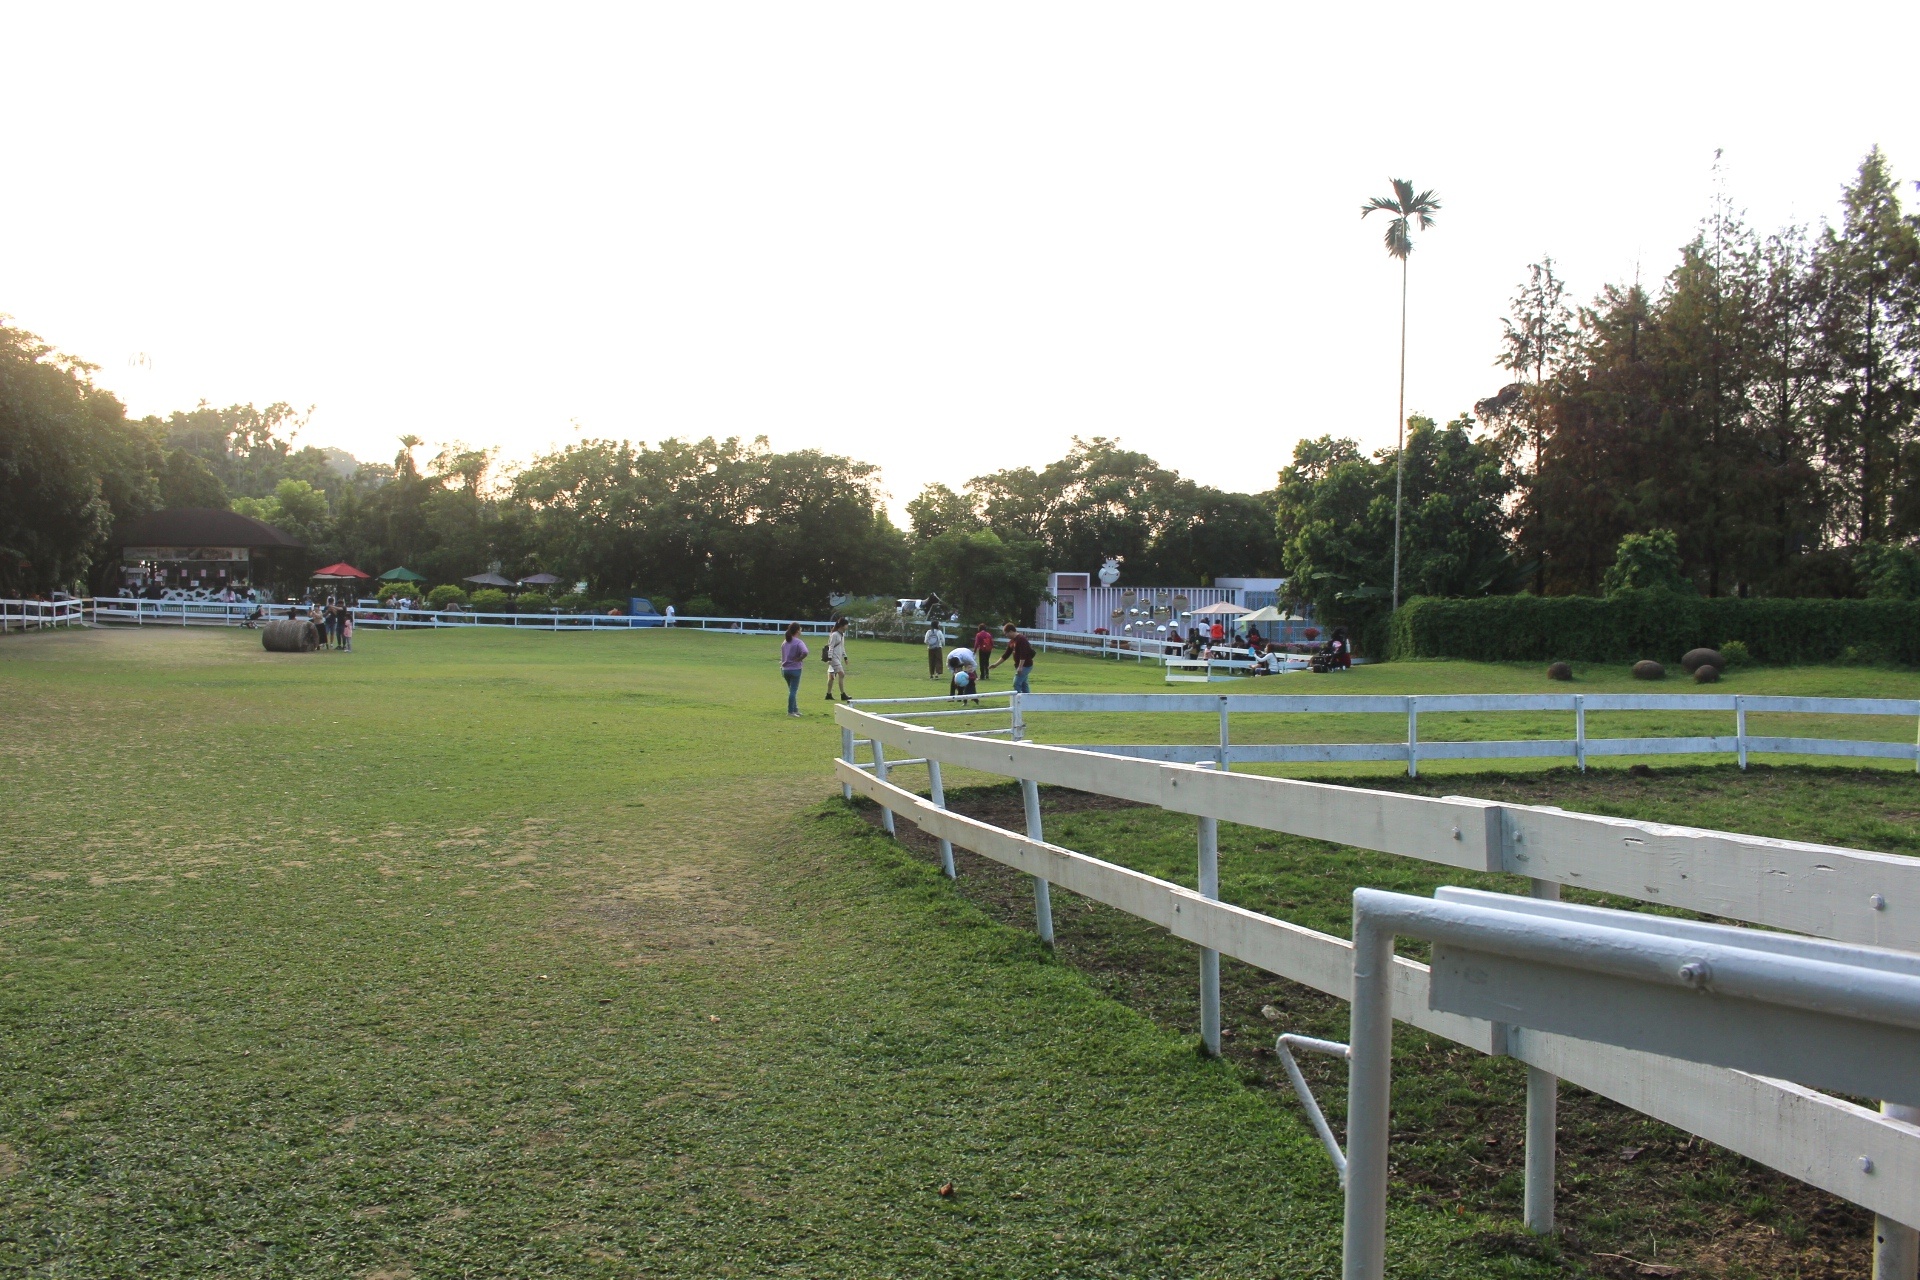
1218	632
936	642
793	660
346	631
983	650
837	660
1020	652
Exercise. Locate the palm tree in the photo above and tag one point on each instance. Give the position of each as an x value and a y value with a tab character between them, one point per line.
1407	209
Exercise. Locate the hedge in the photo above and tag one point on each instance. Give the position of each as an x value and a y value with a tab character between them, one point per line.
1655	624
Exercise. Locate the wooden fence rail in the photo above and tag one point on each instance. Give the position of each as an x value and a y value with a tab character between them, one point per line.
1844	894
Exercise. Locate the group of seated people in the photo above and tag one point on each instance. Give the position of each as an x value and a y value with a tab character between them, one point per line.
1270	657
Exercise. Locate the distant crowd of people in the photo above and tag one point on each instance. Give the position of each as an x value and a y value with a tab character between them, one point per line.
966	666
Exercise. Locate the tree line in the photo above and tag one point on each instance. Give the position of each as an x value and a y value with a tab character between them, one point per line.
1757	406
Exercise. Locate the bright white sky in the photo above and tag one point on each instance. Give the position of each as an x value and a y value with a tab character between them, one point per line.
944	239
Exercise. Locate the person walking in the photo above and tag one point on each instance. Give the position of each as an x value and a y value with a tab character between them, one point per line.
793	660
837	660
936	642
983	650
1020	652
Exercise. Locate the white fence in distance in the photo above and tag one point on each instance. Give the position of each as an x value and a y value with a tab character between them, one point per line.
1225	753
1847	895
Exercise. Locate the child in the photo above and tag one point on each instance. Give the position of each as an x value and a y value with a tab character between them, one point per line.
346	631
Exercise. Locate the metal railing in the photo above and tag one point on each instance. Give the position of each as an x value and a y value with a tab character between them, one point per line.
1851	896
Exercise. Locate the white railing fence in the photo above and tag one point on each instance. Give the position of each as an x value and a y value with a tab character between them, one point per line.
1412	749
1846	895
38	615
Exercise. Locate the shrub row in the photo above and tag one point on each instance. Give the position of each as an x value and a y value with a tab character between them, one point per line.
1655	624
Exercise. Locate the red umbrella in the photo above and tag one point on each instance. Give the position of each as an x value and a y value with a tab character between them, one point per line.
340	572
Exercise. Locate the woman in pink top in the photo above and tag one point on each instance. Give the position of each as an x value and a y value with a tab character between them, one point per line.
793	660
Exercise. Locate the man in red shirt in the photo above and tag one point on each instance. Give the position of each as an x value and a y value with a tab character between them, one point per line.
1020	650
983	650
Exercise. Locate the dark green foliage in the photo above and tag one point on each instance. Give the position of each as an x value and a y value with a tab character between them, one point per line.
772	534
70	466
1102	500
1647	562
1657	624
982	577
1336	522
442	596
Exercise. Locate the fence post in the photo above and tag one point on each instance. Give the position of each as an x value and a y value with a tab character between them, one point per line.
880	772
846	753
938	794
1413	737
1896	1246
1222	760
1543	1123
1209	958
1042	891
1740	726
1369	1102
1580	730
1019	719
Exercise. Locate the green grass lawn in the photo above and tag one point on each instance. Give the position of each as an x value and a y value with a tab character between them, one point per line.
495	954
530	954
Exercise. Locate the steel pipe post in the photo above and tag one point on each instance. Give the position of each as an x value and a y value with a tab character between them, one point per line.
1042	891
846	753
1896	1246
1222	759
1369	1101
1543	1124
1740	727
938	794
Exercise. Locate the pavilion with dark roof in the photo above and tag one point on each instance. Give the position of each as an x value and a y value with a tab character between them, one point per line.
196	548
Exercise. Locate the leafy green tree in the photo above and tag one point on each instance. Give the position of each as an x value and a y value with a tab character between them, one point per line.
1336	518
1405	209
189	482
982	577
1869	327
1647	561
938	509
754	531
71	465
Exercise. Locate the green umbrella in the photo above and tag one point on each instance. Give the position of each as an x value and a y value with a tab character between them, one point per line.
402	575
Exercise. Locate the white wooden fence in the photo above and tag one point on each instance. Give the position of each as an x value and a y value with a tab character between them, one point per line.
1848	895
1580	747
37	615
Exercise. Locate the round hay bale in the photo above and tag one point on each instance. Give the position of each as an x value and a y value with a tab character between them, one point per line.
1697	658
1648	669
287	635
1706	673
1559	671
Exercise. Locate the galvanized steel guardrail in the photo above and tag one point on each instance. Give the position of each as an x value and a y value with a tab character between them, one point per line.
1847	895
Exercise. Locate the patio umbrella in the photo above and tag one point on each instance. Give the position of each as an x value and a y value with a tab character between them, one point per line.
1268	614
402	575
1221	610
342	572
488	580
538	580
